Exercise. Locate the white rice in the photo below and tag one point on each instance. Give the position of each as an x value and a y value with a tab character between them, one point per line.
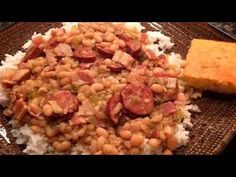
164	42
181	135
175	60
37	144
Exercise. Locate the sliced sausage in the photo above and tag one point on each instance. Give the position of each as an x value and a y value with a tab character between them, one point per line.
138	74
138	99
75	120
123	58
104	51
134	48
116	67
168	108
163	58
82	76
85	54
113	109
67	101
150	54
21	75
51	43
144	38
86	65
38	40
19	110
32	53
123	36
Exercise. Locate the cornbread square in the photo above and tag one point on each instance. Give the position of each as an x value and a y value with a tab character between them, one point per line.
211	65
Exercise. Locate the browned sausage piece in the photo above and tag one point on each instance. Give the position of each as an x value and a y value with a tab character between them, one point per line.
168	108
80	75
104	51
137	98
116	67
32	53
85	54
123	36
51	43
113	109
134	48
67	101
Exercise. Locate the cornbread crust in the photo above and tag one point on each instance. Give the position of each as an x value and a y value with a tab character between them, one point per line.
211	65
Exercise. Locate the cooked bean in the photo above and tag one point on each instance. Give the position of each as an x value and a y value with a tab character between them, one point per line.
97	86
42	89
42	123
61	138
76	40
75	136
81	97
47	110
54	83
35	129
126	126
100	115
136	140
114	47
123	80
87	42
135	126
55	107
167	152
86	90
50	132
37	69
109	37
100	142
110	29
89	35
144	127
127	144
134	151
95	26
168	130
125	134
109	149
157	88
105	44
65	81
102	29
122	43
68	136
63	74
162	135
82	131
106	82
171	143
102	132
108	61
91	127
154	143
88	139
62	127
61	146
68	129
98	37
156	118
